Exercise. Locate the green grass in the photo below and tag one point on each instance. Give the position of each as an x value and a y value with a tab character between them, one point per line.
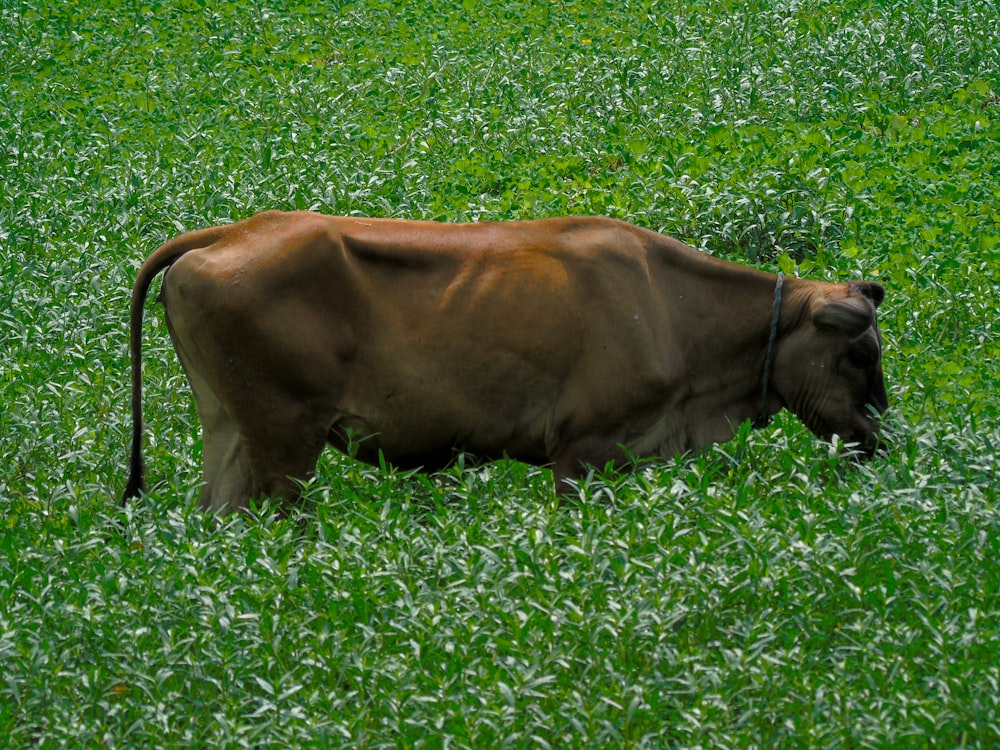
762	594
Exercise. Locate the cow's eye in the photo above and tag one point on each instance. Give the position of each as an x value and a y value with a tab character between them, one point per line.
860	359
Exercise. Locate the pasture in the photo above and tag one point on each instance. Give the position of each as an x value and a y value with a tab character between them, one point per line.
765	593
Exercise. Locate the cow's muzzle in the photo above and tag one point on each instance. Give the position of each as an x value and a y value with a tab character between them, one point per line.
870	440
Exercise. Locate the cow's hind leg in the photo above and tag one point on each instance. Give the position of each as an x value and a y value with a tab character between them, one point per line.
282	448
229	482
263	455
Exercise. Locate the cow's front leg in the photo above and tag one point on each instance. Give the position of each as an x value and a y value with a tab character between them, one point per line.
580	455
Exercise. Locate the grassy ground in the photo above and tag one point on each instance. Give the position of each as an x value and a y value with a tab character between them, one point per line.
761	594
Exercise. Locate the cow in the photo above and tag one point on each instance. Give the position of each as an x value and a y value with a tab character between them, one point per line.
562	342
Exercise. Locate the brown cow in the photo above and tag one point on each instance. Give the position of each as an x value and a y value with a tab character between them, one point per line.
560	342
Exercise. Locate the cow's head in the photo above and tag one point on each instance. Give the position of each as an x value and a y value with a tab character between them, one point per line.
828	369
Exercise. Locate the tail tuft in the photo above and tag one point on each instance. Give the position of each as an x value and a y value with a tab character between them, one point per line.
136	480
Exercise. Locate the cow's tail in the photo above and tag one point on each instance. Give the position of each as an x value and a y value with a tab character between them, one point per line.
160	259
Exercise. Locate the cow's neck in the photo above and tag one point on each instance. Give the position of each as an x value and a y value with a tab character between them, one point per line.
723	322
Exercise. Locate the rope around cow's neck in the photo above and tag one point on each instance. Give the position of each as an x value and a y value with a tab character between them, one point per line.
763	419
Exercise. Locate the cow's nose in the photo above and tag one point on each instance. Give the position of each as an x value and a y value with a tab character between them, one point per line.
871	443
879	398
860	448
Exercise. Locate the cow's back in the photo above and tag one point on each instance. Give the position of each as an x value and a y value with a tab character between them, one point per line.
419	334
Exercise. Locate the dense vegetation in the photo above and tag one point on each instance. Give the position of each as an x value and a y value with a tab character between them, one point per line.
765	593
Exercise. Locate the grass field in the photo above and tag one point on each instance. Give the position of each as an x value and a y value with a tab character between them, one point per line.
762	594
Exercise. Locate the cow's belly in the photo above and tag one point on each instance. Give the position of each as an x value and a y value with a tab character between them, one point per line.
430	447
427	427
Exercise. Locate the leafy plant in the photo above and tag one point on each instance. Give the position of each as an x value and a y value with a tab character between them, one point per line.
764	593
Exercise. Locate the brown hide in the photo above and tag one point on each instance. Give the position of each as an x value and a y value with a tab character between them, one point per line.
557	342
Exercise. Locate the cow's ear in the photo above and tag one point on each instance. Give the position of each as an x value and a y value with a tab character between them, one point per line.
849	316
870	289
